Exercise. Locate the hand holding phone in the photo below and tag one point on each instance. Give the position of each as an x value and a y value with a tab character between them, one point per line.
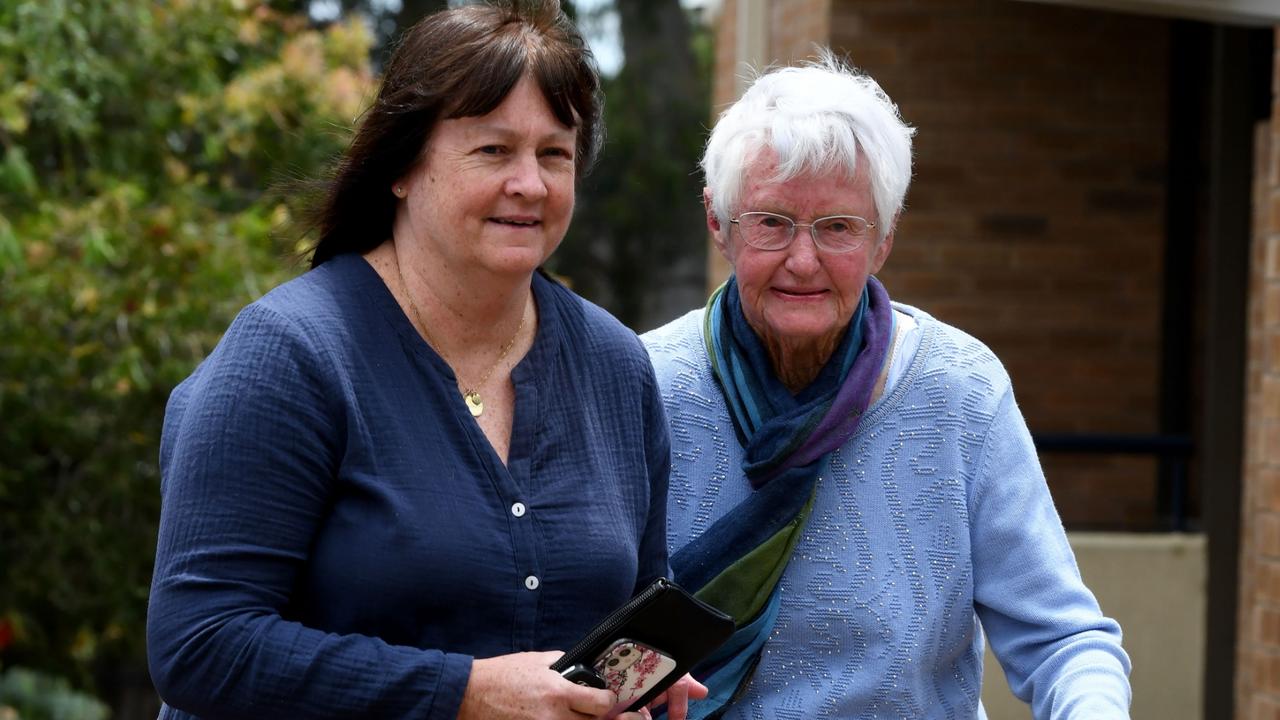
630	669
650	642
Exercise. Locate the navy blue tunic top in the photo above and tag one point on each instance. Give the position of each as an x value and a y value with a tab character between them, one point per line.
338	538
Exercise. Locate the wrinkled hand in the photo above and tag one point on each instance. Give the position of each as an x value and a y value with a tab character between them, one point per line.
676	699
523	685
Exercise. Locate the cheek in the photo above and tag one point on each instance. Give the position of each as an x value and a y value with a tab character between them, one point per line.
754	272
569	200
562	195
851	280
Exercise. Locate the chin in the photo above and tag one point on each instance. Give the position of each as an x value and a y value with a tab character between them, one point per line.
518	260
800	329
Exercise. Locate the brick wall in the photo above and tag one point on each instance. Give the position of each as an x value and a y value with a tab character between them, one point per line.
723	83
794	28
1035	220
796	25
724	90
1258	639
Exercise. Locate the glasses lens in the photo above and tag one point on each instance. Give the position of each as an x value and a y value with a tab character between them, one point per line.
766	231
842	233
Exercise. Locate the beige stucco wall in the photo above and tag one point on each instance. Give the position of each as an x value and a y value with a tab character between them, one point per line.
1154	585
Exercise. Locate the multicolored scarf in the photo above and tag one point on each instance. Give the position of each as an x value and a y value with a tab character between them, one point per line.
737	563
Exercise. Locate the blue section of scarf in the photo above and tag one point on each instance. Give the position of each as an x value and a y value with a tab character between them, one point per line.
787	439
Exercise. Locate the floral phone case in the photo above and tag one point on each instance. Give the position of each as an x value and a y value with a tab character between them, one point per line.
649	642
630	669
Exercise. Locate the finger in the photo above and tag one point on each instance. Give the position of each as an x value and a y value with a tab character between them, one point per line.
678	697
694	689
589	701
678	701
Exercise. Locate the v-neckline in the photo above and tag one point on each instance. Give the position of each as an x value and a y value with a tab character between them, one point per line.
525	378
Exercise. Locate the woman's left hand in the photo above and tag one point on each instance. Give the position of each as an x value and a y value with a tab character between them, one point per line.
676	698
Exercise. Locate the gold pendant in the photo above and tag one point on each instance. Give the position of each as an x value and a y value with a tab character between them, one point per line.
474	403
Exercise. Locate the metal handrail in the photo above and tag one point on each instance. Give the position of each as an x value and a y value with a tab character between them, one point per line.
1174	451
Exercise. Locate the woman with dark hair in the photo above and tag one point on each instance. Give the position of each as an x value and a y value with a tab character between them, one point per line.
403	479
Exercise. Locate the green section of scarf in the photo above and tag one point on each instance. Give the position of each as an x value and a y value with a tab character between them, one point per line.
743	588
737	564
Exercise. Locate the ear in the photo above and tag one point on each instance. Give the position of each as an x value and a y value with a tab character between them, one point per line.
719	231
882	250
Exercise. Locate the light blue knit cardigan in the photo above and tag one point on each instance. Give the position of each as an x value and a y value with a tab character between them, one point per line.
932	525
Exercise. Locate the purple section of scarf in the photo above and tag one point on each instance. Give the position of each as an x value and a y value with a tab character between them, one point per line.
851	401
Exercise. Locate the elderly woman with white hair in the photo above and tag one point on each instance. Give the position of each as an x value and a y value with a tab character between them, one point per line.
852	479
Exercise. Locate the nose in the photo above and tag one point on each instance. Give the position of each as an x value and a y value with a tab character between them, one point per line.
525	179
802	253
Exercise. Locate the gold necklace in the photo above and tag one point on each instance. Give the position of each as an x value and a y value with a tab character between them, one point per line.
470	394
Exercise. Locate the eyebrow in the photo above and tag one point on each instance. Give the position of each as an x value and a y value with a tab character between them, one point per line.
567	135
792	217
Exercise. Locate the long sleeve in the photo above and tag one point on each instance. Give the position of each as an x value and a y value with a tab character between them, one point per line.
250	448
1059	652
338	537
653	545
933	524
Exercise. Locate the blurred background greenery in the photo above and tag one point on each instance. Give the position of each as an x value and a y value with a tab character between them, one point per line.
143	148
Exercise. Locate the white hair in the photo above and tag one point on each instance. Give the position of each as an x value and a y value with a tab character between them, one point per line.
816	118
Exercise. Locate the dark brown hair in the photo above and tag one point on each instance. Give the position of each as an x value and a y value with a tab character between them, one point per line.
455	63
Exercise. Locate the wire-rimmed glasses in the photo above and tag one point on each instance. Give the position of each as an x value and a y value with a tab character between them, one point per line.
833	234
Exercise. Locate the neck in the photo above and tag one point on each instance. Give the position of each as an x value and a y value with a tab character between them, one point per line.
465	323
798	362
463	309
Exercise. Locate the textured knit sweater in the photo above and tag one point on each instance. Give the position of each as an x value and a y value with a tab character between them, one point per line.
931	525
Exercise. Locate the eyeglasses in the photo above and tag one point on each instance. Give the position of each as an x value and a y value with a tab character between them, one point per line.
834	234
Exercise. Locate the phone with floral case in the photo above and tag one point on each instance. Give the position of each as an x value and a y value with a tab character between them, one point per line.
630	669
650	642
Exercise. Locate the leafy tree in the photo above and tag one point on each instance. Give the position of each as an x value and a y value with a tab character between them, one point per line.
387	19
137	140
31	696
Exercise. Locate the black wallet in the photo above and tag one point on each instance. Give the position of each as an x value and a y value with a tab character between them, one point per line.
643	647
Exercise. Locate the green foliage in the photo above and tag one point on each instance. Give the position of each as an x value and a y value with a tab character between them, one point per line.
26	695
137	141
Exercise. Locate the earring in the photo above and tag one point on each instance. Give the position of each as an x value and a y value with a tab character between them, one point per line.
398	191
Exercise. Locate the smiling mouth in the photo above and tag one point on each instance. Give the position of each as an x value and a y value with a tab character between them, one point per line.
799	293
516	223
